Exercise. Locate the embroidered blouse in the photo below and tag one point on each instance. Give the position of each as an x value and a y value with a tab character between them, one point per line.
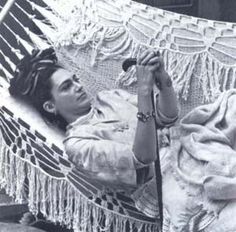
101	142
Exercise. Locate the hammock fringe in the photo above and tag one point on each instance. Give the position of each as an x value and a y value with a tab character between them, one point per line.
56	199
212	76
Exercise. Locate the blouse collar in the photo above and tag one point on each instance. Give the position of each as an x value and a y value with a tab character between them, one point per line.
83	119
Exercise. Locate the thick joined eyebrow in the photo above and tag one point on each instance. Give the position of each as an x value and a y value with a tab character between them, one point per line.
67	81
64	83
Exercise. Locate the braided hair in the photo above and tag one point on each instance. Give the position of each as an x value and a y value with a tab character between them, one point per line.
31	82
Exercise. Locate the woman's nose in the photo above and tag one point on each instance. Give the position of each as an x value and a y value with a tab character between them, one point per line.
78	87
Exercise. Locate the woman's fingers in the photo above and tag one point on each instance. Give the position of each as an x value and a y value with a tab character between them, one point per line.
148	57
142	56
145	57
154	60
155	64
158	62
153	68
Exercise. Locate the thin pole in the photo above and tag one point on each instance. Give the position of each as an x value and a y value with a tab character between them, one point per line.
158	170
6	9
125	65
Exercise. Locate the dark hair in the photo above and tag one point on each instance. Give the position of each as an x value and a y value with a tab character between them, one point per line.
31	82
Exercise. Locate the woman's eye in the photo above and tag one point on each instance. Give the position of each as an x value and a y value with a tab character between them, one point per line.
66	86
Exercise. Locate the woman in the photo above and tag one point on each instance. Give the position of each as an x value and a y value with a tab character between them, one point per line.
112	137
107	140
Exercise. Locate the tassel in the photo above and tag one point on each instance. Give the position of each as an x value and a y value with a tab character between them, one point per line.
57	199
120	37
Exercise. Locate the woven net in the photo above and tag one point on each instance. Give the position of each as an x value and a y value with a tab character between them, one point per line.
93	37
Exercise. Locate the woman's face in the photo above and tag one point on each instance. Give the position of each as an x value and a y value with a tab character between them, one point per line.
70	99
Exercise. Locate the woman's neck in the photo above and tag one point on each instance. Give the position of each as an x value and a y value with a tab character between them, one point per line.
70	118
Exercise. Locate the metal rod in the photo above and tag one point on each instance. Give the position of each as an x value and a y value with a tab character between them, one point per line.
158	171
6	9
125	66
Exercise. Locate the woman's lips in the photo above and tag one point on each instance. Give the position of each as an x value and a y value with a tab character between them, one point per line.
81	95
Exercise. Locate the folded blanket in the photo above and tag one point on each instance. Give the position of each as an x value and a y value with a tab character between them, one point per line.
205	161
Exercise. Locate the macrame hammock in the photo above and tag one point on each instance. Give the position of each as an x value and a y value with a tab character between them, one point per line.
92	38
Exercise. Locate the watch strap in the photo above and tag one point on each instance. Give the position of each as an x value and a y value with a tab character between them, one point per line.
145	117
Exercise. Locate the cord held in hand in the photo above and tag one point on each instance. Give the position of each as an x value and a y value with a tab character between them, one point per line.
132	61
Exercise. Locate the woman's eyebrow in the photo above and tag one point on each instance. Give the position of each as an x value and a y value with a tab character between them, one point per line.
64	82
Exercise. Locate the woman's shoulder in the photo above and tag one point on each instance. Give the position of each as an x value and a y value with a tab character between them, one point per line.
115	93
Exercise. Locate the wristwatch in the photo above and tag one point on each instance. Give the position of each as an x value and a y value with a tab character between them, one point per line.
145	117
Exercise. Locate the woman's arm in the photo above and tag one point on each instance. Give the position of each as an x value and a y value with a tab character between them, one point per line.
144	146
105	160
150	69
167	102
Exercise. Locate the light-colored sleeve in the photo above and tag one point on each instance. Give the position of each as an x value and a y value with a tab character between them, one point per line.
106	160
164	121
129	97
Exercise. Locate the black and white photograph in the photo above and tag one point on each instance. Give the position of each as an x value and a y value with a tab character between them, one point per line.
117	115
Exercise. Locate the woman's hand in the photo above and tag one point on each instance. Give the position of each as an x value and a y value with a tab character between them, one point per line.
148	64
151	70
162	78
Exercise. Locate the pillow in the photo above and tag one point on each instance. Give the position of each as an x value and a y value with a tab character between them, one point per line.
32	117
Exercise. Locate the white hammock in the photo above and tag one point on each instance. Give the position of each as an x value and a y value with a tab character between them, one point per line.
93	37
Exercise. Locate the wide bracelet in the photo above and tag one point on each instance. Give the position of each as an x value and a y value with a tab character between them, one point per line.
145	117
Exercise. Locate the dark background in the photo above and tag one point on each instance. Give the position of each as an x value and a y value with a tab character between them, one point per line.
222	10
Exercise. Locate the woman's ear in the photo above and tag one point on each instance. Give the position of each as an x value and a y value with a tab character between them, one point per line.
49	106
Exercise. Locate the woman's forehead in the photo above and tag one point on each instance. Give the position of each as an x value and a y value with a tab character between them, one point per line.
60	76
